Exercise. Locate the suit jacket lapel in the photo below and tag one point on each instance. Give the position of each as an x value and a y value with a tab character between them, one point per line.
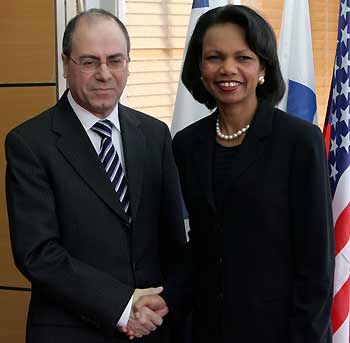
204	157
251	148
253	145
76	147
134	154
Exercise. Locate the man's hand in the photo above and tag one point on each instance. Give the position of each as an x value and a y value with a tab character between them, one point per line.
148	310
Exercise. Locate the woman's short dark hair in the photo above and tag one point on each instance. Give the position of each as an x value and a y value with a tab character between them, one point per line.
94	13
260	39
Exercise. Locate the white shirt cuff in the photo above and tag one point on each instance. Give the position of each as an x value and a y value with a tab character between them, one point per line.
123	320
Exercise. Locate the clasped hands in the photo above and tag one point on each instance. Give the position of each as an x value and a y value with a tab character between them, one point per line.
147	312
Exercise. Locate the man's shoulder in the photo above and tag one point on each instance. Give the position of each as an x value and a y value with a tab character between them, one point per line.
144	119
35	123
36	132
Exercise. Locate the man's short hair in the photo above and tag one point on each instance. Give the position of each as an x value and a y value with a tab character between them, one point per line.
92	14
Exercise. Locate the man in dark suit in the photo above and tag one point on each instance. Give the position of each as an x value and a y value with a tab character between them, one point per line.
93	237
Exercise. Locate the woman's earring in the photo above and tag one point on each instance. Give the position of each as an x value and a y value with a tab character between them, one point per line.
261	80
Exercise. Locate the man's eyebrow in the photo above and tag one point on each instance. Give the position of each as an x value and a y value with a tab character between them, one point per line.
88	56
119	54
97	58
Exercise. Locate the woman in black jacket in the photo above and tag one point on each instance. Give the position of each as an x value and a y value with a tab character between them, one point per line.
256	187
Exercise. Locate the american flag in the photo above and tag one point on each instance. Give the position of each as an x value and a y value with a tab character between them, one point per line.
337	136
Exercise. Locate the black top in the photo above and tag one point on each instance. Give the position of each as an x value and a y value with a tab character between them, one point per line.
224	162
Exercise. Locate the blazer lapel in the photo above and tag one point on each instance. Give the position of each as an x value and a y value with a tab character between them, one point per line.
204	157
76	147
252	146
134	154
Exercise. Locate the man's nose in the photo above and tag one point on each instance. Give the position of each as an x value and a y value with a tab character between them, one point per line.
103	72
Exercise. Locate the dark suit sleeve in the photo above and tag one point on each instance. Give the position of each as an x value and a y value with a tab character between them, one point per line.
178	291
312	241
172	225
91	294
175	249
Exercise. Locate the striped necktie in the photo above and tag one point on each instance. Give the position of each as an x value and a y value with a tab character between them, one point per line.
112	163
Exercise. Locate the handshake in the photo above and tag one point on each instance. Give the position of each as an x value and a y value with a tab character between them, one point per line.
147	312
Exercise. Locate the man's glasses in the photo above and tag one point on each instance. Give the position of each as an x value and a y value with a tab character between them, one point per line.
89	64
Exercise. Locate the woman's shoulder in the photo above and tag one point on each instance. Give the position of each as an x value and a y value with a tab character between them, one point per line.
206	124
295	128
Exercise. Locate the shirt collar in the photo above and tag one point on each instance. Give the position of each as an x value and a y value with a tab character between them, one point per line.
88	119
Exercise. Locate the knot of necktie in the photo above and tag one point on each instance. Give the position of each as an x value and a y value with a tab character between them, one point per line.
112	163
103	128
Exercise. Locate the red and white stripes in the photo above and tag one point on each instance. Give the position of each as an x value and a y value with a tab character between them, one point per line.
341	219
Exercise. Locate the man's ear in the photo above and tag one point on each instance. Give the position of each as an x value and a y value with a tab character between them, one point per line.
65	61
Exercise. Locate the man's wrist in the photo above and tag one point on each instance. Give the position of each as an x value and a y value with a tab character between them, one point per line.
124	318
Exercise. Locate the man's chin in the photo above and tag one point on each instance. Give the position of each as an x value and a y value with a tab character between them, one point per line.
102	110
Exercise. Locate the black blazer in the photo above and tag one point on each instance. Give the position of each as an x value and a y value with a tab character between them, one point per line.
264	261
70	236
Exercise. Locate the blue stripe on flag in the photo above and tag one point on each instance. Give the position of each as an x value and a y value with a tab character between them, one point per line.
301	101
200	3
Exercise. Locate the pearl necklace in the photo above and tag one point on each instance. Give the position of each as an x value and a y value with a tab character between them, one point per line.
235	135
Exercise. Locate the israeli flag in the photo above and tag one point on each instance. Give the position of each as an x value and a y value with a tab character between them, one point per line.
187	110
296	60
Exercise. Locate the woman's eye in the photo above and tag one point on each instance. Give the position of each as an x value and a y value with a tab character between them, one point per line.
213	58
244	58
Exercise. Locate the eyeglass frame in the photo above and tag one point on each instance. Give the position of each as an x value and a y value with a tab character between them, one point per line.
97	63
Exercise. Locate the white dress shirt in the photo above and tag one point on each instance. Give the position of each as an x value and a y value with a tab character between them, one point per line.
88	120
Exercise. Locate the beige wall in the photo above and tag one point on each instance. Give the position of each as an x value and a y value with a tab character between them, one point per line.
157	29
